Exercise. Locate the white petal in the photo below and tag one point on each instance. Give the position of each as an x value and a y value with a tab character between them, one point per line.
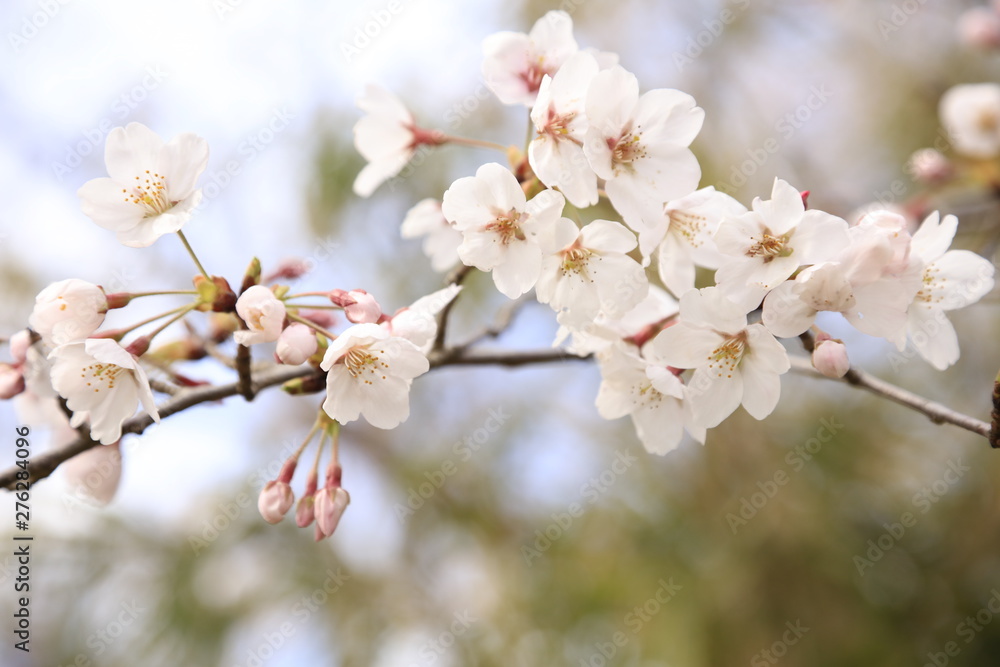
934	337
785	314
683	346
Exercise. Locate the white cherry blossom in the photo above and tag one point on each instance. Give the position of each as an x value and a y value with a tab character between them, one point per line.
872	283
102	383
765	246
499	227
369	375
441	239
950	279
639	145
734	363
641	322
648	392
515	63
387	136
150	190
685	237
970	114
556	153
588	271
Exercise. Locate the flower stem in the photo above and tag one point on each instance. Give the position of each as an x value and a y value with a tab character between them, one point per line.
302	294
190	250
179	309
476	143
184	310
312	434
311	325
136	295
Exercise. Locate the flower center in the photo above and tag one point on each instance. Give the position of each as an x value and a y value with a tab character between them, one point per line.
931	284
687	225
988	121
648	395
507	226
361	361
104	375
557	125
575	260
532	77
770	247
626	150
725	358
150	193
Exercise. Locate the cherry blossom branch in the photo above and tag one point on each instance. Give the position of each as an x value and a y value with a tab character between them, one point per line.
458	356
455	278
245	382
995	415
43	465
936	412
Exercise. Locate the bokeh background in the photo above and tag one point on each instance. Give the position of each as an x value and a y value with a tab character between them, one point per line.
742	551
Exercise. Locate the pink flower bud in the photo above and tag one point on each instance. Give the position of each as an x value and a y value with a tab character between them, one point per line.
330	506
11	381
359	306
930	166
276	498
305	511
296	344
19	344
830	358
68	311
980	27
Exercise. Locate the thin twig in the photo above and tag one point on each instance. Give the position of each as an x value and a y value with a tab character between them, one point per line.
937	413
243	370
455	278
461	357
43	465
503	320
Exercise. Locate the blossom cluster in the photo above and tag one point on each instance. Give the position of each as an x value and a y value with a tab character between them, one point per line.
679	291
69	373
672	355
